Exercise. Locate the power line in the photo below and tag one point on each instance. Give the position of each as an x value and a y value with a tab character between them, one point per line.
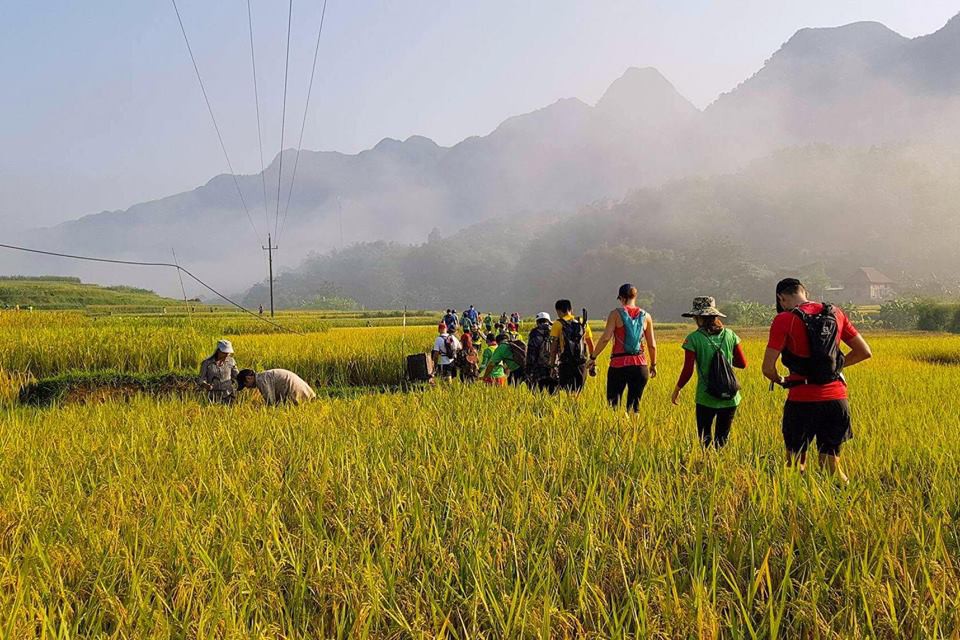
256	100
153	264
303	125
283	117
206	99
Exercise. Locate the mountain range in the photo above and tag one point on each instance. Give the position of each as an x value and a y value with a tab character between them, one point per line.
857	86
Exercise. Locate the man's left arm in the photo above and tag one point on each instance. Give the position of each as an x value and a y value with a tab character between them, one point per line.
769	368
859	351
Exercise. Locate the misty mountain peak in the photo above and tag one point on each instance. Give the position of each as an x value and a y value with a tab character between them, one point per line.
645	96
414	146
857	38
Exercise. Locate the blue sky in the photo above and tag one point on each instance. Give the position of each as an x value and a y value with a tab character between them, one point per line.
101	110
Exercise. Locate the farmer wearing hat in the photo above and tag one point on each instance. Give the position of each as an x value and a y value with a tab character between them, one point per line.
716	405
806	336
631	365
218	374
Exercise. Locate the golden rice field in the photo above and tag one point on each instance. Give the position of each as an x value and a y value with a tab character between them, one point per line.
460	511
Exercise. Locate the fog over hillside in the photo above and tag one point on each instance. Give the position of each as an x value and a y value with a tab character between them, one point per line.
813	211
762	171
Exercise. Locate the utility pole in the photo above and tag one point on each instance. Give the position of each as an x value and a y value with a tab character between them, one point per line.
270	249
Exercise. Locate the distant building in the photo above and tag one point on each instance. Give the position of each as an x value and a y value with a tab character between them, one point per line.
866	285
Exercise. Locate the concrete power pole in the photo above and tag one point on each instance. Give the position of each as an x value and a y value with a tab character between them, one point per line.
270	249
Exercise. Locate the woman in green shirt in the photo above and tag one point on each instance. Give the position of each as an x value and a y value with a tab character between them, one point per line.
700	348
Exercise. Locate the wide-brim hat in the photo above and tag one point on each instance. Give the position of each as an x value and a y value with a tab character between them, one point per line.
224	346
704	306
543	315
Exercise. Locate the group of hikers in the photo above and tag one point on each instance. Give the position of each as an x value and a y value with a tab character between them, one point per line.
221	380
472	320
559	356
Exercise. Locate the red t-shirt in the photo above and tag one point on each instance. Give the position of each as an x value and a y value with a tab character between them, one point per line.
788	332
620	335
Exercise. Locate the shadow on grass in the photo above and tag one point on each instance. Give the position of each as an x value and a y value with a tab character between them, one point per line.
942	359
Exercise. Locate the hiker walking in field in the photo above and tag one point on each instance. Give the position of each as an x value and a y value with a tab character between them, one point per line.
277	386
539	367
806	336
712	350
444	353
218	374
473	315
467	361
631	366
466	322
493	374
451	320
512	354
571	343
488	323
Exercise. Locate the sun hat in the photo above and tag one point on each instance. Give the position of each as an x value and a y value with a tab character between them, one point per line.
704	306
543	315
224	346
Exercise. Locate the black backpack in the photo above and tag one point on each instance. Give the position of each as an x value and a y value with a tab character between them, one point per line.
825	364
574	338
538	352
722	382
450	347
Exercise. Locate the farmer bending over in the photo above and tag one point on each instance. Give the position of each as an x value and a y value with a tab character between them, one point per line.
276	386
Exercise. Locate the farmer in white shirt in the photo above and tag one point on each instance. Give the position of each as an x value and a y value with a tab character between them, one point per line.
276	386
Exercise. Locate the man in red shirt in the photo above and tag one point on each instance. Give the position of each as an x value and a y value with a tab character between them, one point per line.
813	410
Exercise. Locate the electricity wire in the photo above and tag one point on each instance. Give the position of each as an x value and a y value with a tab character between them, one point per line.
303	125
256	101
153	264
206	99
283	116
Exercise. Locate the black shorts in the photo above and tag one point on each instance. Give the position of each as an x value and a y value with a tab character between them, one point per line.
447	370
571	377
517	377
828	422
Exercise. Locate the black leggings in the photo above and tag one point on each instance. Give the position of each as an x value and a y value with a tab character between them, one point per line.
633	379
705	417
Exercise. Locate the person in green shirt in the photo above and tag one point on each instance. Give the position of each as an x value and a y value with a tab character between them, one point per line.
504	354
488	323
492	374
700	348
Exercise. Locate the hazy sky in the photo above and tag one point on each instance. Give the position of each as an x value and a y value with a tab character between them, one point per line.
100	108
